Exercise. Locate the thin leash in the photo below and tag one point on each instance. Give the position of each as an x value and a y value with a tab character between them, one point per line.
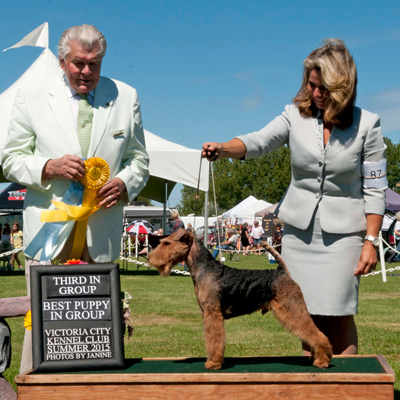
216	212
196	203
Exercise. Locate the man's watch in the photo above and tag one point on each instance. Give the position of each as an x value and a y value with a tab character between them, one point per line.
373	240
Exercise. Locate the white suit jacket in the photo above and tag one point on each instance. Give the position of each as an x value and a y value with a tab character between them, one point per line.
331	180
42	128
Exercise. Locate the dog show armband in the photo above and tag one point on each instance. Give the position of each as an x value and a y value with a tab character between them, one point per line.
375	174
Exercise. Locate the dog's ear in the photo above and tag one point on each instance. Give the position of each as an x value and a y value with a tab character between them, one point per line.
185	236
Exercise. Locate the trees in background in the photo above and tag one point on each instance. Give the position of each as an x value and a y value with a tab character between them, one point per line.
393	163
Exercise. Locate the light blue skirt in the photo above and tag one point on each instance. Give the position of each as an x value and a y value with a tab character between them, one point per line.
323	264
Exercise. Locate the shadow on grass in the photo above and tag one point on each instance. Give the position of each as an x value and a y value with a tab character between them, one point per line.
397	395
145	272
17	272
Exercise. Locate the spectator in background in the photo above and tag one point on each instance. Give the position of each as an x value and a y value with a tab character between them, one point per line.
6	232
176	223
277	238
229	244
257	232
16	242
5	246
244	237
397	229
395	256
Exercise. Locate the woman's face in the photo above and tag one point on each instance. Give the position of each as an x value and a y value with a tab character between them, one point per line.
15	228
318	91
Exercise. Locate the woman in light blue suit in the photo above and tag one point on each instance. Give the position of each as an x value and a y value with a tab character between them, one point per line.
334	205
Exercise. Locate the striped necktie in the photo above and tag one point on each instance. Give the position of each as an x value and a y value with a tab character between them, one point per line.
84	127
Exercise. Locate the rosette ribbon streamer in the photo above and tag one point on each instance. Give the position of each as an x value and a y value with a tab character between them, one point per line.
96	176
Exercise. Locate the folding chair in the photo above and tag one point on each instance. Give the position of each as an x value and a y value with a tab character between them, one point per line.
236	252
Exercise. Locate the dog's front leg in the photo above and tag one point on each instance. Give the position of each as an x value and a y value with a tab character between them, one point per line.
214	333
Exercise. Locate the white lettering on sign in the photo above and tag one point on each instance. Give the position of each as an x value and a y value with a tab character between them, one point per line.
78	343
59	310
71	285
77	289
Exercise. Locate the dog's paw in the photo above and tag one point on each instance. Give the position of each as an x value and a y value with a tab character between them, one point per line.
322	362
212	365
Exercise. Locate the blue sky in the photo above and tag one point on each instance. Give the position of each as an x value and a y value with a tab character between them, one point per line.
213	70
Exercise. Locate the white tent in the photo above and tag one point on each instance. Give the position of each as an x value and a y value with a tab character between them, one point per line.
170	163
232	213
45	66
247	214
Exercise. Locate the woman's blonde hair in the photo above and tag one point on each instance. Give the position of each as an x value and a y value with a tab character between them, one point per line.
338	75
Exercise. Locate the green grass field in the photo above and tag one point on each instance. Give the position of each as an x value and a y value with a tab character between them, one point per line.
167	320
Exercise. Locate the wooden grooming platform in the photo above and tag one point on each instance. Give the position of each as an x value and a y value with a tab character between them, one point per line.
352	377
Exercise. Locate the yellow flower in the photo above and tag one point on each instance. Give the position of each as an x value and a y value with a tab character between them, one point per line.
28	321
97	173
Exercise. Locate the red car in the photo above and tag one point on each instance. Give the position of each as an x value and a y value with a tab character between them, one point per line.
211	235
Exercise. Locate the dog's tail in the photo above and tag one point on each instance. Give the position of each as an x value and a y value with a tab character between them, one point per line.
277	256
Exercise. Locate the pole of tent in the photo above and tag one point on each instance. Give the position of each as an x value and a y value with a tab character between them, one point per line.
205	218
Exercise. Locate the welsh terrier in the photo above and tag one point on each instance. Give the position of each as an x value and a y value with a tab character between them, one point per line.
223	293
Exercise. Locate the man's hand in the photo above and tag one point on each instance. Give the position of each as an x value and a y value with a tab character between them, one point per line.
111	193
368	259
67	167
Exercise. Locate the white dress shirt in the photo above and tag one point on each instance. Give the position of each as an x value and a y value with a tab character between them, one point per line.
74	98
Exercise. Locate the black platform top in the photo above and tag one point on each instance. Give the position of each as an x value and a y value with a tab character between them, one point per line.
365	365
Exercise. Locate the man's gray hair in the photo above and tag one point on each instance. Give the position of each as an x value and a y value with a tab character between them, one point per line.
87	35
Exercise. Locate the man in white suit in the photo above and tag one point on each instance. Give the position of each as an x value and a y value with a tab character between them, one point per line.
47	141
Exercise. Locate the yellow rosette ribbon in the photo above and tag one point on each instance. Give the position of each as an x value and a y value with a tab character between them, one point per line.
96	176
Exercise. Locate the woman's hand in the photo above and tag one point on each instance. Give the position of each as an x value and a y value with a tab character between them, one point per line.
368	259
211	150
235	148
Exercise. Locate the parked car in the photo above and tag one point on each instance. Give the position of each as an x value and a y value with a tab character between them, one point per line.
211	234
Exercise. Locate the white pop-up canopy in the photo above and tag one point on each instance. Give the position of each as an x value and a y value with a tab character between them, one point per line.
170	163
247	214
45	66
232	213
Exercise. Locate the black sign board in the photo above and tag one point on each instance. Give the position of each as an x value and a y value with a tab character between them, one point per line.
268	224
76	317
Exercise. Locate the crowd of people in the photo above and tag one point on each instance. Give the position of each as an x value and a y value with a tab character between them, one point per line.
246	238
11	238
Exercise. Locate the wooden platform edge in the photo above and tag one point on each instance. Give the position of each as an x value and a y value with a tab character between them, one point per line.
221	377
386	366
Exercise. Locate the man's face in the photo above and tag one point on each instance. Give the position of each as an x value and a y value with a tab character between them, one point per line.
82	67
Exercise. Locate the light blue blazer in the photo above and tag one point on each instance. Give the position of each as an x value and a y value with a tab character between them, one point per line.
330	178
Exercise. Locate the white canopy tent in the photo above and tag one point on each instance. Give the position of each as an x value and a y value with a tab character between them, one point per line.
45	66
247	214
170	163
232	213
